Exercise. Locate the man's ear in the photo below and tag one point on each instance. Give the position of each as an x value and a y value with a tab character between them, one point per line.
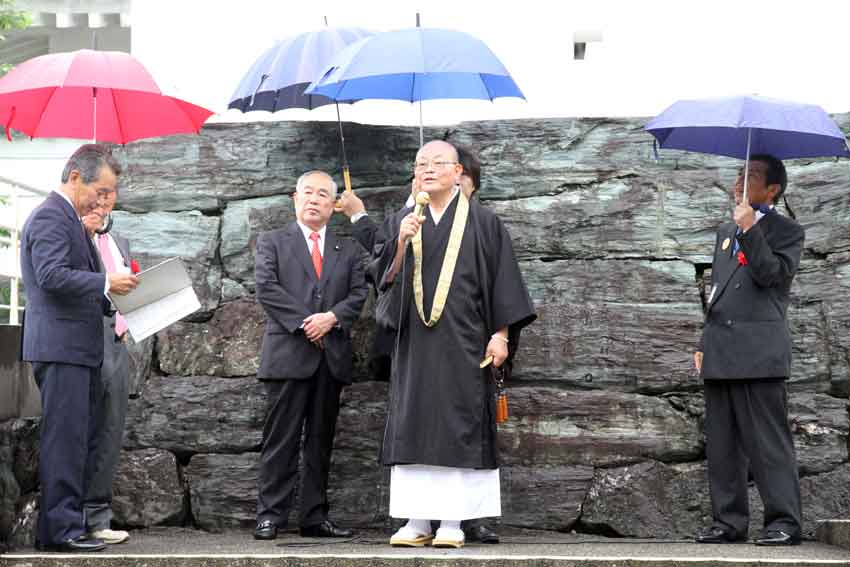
773	190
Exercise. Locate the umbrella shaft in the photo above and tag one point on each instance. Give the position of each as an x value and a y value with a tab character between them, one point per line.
94	116
747	164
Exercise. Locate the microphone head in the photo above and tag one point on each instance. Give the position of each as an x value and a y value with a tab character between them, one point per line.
423	198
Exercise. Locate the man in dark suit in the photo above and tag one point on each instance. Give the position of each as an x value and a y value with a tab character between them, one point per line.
744	357
63	337
109	394
312	288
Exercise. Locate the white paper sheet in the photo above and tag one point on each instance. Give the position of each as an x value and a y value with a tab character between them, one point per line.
164	296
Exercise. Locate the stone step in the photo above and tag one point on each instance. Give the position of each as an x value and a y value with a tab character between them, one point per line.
834	532
175	547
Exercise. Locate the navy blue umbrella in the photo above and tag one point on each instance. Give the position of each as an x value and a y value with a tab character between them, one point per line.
745	125
416	64
276	81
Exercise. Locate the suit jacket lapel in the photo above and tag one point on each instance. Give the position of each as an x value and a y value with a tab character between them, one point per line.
329	258
728	263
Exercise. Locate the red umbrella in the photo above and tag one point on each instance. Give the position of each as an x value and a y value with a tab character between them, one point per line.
105	96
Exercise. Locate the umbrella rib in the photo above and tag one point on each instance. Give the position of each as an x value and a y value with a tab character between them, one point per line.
486	88
117	117
186	114
43	108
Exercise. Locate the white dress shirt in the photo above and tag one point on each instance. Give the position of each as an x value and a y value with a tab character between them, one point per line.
307	231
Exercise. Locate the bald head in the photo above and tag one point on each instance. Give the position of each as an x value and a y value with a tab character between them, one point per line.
436	168
438	146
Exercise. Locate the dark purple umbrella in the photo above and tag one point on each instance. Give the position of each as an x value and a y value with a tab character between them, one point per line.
745	125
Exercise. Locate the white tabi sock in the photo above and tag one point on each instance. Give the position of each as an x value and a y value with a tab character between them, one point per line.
419	526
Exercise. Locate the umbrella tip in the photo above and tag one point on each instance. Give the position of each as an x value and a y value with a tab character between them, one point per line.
326	20
417	20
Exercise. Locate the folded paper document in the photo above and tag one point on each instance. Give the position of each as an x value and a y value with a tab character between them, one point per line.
164	295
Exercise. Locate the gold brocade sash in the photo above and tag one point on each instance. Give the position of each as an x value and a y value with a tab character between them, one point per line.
446	271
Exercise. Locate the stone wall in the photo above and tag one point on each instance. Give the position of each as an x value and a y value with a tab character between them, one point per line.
606	428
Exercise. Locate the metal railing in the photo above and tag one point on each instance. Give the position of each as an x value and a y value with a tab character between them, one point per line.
17	191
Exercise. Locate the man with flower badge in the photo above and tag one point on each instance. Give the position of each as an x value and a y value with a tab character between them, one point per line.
744	358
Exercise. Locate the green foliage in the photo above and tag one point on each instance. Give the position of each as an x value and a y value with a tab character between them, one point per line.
11	19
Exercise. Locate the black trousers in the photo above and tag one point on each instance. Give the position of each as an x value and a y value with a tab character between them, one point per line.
66	433
294	406
746	427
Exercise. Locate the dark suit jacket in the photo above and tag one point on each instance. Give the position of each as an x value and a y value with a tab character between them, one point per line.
288	290
746	333
64	287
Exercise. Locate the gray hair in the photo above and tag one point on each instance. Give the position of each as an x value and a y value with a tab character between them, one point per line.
299	185
89	159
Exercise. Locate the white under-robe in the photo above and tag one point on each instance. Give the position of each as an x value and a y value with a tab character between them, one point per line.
444	493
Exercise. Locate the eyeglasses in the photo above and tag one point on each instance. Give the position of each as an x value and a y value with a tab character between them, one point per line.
424	164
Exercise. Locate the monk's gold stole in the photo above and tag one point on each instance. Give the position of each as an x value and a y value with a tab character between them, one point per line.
448	268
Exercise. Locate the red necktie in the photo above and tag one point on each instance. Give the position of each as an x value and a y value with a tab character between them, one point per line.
316	255
109	264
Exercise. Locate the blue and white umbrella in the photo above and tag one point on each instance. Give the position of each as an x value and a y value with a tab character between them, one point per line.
416	64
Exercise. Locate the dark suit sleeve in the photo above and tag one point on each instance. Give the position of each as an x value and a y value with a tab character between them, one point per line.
50	240
275	300
773	267
348	310
713	263
364	231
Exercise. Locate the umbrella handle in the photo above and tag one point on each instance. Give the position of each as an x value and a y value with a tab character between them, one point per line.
346	178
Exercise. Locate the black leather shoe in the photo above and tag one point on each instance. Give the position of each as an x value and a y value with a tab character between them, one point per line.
265	529
716	534
77	545
777	537
325	529
483	534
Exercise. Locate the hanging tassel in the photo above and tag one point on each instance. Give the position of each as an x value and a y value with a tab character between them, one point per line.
655	149
501	396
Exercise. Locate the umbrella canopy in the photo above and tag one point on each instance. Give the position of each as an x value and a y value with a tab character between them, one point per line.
276	81
416	64
745	125
107	96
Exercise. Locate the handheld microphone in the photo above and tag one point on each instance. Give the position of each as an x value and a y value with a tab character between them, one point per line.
422	200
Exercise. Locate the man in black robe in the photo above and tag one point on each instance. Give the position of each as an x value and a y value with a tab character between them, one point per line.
440	436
